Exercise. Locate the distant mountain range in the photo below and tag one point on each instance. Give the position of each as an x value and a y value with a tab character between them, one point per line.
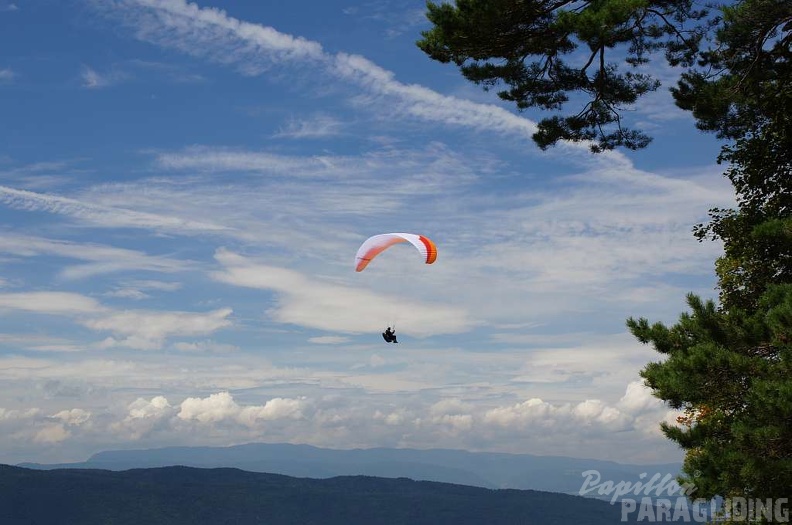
190	496
479	469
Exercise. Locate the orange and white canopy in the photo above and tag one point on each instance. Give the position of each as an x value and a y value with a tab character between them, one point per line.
375	245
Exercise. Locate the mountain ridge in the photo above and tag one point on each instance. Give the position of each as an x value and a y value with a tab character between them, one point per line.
481	469
187	495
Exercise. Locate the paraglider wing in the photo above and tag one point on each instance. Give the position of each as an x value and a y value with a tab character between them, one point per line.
375	245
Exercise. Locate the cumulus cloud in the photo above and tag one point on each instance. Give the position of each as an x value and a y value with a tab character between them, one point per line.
540	414
397	417
54	433
32	424
344	421
75	416
143	417
456	422
50	433
648	411
639	399
222	407
154	408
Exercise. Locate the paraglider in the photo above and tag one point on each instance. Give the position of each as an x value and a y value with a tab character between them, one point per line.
377	244
389	335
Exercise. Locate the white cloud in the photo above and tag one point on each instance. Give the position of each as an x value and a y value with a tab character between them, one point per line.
344	421
223	159
155	285
134	289
54	433
254	49
456	422
147	330
320	126
638	398
92	80
143	417
6	75
56	303
329	340
11	415
205	346
450	406
397	417
540	415
31	424
106	217
422	103
127	293
155	408
101	259
313	303
221	406
75	416
137	329
260	46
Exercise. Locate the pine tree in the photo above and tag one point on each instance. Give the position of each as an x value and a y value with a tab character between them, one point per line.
730	367
533	48
729	370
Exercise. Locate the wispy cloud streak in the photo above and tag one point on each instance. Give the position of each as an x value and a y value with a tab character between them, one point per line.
100	215
6	75
136	329
91	79
252	48
101	259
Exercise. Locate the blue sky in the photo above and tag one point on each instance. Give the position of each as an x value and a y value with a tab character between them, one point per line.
183	188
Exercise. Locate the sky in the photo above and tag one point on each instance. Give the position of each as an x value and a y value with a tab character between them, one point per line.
183	189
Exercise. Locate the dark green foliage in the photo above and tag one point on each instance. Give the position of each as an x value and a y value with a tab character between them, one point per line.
742	91
181	495
729	367
730	370
533	48
742	85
